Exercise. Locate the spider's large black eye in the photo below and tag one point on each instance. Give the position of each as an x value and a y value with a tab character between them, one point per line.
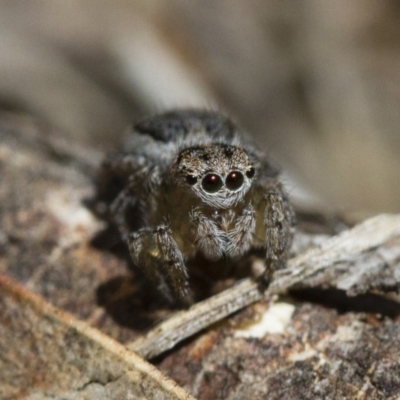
234	180
250	172
211	183
191	179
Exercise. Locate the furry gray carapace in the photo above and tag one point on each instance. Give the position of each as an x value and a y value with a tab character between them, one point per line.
197	185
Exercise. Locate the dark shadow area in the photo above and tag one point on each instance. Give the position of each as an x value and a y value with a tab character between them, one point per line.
110	241
319	223
135	303
337	299
132	302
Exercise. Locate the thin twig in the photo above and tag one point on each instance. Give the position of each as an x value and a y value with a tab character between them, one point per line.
348	244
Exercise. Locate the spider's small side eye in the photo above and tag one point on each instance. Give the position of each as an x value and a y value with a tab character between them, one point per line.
250	172
211	183
191	179
234	180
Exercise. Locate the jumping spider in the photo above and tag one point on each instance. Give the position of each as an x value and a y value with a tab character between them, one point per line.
198	186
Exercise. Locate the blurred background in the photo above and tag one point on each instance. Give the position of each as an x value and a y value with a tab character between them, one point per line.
316	83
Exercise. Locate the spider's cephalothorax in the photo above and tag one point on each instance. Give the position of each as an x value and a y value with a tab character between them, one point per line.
198	187
218	174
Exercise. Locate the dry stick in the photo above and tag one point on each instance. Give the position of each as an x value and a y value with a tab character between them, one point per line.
183	324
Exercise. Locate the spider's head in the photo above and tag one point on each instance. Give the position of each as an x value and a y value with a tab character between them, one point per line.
218	174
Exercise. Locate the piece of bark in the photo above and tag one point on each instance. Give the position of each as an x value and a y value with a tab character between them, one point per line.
319	355
48	354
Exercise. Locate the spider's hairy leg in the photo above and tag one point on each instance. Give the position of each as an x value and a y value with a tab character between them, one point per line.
173	263
118	208
242	235
157	254
124	164
278	222
141	246
129	170
208	237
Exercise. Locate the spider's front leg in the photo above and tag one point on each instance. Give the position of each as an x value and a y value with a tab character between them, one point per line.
278	222
156	252
207	237
241	236
131	170
118	209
